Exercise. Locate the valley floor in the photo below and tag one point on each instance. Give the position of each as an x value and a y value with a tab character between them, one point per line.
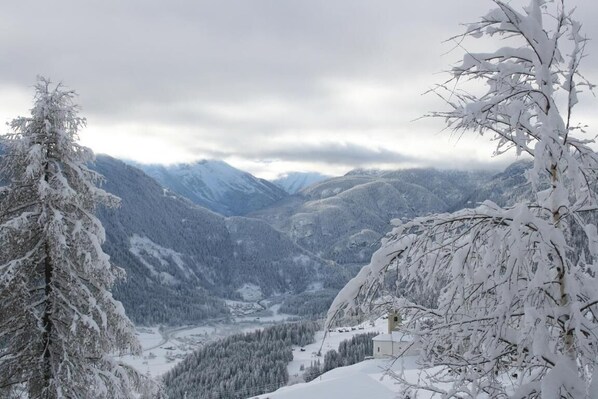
164	347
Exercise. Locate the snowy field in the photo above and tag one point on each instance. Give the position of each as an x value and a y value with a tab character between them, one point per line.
164	347
362	380
367	379
326	341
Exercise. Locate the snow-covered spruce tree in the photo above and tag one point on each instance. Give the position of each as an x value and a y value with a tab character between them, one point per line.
516	289
59	324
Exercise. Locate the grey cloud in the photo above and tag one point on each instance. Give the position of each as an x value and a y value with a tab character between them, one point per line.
346	154
465	163
122	54
165	64
352	155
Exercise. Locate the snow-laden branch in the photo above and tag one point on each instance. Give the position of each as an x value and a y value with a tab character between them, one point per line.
502	301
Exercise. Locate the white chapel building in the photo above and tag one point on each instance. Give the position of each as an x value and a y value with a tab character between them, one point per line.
394	343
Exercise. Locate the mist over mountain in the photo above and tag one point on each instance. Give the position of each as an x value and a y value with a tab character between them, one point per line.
181	256
294	182
217	186
184	261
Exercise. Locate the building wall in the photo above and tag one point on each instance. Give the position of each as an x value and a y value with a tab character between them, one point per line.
382	348
393	348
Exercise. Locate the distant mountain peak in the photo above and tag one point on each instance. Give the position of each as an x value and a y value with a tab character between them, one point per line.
293	182
216	185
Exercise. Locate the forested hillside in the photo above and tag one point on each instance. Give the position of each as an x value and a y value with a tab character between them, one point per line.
350	351
239	366
181	259
343	218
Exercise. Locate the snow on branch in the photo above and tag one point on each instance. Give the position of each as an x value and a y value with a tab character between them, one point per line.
503	301
59	324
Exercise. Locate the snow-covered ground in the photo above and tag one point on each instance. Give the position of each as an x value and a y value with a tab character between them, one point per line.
362	380
367	379
326	341
164	347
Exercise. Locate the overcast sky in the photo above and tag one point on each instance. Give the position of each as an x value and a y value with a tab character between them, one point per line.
266	85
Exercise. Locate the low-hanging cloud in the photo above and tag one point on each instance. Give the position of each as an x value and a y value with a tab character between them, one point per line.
346	154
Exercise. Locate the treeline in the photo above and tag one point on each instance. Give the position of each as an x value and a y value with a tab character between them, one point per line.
239	366
350	351
309	303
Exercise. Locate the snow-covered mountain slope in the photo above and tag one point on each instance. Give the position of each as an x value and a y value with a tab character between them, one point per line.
343	218
505	188
365	379
180	258
294	182
359	381
217	186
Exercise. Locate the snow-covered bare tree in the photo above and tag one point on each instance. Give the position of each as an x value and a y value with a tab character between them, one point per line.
515	313
59	324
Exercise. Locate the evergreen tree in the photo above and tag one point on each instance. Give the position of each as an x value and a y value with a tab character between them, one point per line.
59	324
313	371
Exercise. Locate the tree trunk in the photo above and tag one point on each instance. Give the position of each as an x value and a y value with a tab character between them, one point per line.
567	333
47	317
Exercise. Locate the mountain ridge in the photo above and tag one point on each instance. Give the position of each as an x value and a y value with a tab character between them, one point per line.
216	185
182	260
